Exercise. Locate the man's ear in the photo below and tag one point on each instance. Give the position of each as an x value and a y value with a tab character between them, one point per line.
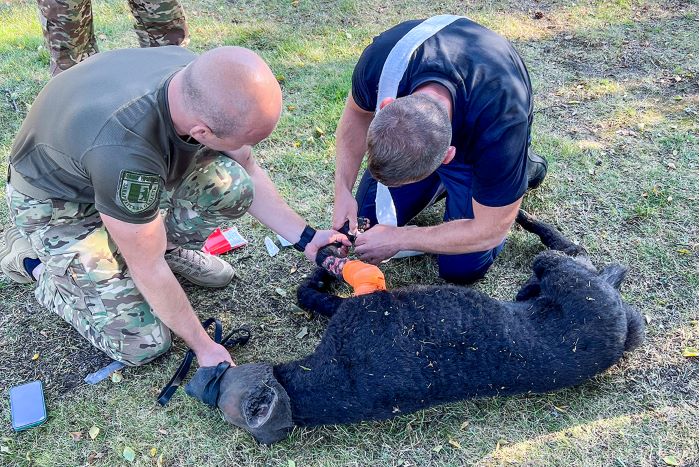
201	133
386	101
449	155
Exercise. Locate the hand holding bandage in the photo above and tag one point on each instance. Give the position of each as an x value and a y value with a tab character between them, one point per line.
363	277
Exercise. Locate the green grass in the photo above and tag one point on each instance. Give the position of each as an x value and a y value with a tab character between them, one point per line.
616	115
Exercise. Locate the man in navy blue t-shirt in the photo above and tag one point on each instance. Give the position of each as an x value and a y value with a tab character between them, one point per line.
456	125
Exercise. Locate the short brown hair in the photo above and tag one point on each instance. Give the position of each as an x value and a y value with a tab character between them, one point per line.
408	139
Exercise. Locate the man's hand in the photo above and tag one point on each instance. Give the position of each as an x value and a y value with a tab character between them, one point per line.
345	208
213	354
321	239
378	243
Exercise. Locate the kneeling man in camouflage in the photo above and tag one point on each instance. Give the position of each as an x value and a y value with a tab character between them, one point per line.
123	167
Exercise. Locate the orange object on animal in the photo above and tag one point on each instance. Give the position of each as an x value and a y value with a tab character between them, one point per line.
364	278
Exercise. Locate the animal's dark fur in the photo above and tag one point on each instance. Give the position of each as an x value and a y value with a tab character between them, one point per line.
395	352
400	351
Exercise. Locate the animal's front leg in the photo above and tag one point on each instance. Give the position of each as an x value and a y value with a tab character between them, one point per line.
312	296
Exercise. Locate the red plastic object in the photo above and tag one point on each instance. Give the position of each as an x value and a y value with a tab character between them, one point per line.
222	241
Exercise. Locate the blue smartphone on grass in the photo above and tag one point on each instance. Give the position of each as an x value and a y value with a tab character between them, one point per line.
27	406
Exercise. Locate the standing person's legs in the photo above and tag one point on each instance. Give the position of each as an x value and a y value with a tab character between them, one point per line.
68	32
86	281
159	22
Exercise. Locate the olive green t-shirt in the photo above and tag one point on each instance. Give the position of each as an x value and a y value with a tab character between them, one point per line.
101	133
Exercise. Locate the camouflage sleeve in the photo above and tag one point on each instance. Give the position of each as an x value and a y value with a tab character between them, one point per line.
127	183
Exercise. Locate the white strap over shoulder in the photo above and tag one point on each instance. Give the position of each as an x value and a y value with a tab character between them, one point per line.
399	56
392	73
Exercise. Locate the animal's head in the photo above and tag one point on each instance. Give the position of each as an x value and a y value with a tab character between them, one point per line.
251	398
554	265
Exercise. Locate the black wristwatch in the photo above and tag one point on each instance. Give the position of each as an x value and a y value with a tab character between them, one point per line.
306	236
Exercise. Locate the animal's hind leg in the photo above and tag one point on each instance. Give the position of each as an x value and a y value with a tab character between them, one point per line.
549	235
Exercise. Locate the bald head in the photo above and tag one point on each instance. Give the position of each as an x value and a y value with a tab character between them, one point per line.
233	92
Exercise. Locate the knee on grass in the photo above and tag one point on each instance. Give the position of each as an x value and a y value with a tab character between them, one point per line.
138	351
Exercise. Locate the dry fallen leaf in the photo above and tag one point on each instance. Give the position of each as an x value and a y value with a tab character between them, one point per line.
93	432
35	356
76	435
162	431
454	444
153	452
304	331
437	448
117	377
671	460
281	292
690	352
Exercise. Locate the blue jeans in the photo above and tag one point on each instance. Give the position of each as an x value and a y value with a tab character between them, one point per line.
411	199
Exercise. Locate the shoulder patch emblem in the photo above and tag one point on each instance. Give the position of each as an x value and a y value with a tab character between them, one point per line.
138	191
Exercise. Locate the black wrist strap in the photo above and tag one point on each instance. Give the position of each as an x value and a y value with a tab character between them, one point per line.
306	236
238	336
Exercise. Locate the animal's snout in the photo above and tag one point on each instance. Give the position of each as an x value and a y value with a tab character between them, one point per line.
251	398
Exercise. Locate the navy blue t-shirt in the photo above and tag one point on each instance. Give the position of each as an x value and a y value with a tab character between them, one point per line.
491	96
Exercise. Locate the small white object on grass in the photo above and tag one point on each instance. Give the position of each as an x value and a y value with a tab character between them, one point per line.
283	241
272	249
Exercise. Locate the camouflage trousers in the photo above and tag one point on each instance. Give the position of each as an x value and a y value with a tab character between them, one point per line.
85	278
70	36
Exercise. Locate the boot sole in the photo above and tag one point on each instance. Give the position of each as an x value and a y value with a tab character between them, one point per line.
11	236
203	284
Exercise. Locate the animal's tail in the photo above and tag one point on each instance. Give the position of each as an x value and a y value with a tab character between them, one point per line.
312	294
635	329
549	235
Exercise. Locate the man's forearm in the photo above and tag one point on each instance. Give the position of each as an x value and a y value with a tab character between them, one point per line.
270	209
164	294
486	231
454	237
350	145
